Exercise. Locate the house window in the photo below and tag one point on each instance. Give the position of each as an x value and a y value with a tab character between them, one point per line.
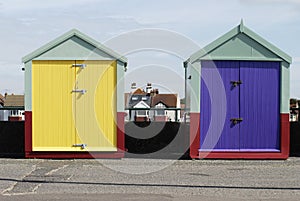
160	111
142	113
14	112
144	98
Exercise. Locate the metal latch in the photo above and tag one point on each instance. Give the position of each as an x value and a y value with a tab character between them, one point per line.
82	66
82	91
236	83
236	120
83	146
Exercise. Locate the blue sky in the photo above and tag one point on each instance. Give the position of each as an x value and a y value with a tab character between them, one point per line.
28	24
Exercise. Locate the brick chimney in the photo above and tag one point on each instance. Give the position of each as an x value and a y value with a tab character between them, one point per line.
154	92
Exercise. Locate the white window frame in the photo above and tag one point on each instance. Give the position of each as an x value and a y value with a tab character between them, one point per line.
162	107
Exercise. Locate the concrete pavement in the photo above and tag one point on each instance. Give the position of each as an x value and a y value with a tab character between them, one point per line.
149	179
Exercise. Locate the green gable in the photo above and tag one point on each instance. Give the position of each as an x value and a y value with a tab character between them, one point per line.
240	44
74	45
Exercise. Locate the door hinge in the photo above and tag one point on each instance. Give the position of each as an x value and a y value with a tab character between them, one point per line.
82	66
83	146
236	120
82	91
236	83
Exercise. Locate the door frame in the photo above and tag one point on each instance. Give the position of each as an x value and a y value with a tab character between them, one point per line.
284	139
119	153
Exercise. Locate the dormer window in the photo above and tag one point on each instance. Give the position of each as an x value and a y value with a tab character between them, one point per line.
134	98
160	109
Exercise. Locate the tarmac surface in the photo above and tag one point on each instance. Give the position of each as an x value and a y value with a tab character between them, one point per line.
149	179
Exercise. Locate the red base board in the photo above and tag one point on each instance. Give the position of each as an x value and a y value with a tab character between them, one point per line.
194	134
118	154
195	143
78	155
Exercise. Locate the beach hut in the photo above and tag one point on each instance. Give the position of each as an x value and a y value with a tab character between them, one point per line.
73	99
239	100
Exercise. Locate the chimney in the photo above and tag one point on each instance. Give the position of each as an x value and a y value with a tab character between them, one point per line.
154	92
5	95
133	87
149	88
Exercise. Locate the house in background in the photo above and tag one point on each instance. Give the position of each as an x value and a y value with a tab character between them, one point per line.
12	107
149	105
163	104
1	100
2	112
294	109
139	105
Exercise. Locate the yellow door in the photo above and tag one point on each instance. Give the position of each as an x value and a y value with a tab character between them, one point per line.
66	118
53	126
95	105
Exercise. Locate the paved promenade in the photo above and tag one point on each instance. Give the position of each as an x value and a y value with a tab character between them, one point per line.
149	179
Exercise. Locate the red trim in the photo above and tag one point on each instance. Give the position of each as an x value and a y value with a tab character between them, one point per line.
283	154
121	131
194	134
285	135
80	155
28	132
50	154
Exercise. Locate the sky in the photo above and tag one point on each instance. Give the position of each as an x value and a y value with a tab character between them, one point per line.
28	24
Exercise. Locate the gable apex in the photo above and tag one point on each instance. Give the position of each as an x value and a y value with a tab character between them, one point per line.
141	104
67	36
240	31
241	26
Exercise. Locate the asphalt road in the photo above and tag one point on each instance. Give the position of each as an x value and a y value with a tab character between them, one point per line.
149	179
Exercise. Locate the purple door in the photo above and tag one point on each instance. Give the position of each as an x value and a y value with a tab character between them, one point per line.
219	135
251	106
259	106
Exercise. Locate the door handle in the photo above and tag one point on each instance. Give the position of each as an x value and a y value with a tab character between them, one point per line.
236	83
236	120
